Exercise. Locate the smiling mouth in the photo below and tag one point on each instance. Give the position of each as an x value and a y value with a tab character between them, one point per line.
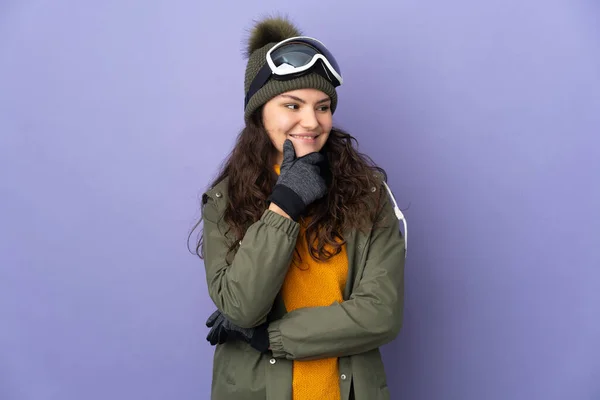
305	137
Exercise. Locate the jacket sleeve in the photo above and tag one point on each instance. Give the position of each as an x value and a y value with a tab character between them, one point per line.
370	318
245	289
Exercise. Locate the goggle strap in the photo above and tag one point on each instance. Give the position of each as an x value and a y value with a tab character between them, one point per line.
258	82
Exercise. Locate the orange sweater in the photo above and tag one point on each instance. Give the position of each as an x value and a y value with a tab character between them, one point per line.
313	284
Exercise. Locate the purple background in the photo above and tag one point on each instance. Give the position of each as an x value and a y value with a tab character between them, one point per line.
114	115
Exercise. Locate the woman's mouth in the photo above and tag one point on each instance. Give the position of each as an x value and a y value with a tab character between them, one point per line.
307	138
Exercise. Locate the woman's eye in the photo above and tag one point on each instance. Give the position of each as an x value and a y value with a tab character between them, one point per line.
324	108
292	106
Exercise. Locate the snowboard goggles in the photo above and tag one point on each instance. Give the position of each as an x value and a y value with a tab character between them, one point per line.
295	57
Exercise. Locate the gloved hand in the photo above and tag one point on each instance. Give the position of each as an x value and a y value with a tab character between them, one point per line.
300	182
222	330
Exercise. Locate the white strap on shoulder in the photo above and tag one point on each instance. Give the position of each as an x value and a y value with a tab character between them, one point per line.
400	217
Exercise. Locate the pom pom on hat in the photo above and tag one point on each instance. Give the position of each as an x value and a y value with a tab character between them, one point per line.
270	30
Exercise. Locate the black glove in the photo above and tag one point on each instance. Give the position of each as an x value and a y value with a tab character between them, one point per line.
222	330
300	182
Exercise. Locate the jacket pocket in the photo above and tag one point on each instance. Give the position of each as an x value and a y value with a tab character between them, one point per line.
379	376
223	367
238	372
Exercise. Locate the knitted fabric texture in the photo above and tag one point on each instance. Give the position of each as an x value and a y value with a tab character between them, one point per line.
314	284
274	87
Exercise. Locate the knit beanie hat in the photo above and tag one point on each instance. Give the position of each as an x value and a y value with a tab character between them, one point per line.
263	37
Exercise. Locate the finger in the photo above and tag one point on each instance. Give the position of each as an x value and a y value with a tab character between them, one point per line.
213	317
222	337
211	337
217	331
313	158
289	153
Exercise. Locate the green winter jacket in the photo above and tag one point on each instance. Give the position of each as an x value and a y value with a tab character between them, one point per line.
248	293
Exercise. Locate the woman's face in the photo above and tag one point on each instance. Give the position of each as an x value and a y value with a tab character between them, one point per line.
303	116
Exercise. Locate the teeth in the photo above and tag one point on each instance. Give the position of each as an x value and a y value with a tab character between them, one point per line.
304	137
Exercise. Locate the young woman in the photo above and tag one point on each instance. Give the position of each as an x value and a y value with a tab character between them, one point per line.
301	243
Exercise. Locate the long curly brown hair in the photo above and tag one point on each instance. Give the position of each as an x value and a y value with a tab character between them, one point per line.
349	203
